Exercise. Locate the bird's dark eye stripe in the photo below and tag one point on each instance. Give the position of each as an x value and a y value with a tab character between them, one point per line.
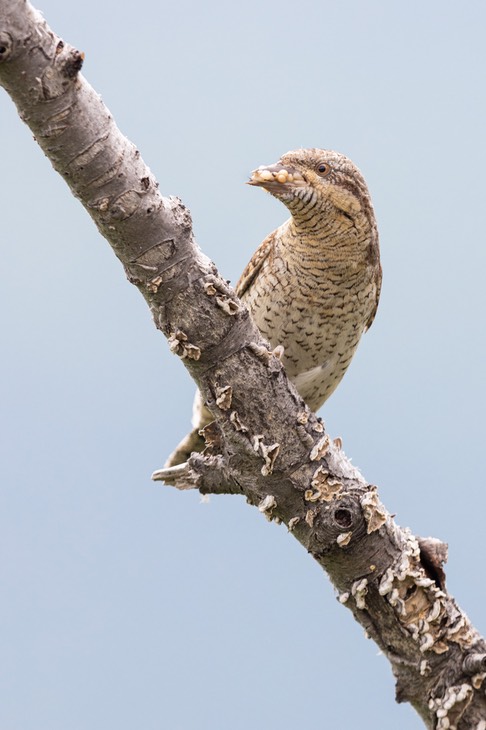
356	189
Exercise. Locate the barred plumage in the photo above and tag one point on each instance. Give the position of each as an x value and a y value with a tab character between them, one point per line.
314	283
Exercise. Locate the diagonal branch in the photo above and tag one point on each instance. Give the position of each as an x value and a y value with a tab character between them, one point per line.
266	445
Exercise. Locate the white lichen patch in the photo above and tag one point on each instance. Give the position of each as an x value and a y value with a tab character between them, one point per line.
323	487
179	345
455	628
450	708
462	632
435	612
320	449
344	538
262	352
320	477
421	605
409	560
311	496
227	305
210	289
267	505
269	454
211	434
310	516
237	423
440	647
478	679
424	582
334	487
224	395
374	512
257	441
153	284
399	605
292	523
359	589
386	582
344	597
426	642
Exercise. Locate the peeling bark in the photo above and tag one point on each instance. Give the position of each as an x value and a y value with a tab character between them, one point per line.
265	443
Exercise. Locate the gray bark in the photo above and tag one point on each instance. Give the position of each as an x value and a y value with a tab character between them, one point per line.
265	444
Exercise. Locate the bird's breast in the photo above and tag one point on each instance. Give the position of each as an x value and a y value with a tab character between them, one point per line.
317	310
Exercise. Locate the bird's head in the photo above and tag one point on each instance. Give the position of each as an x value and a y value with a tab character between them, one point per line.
316	180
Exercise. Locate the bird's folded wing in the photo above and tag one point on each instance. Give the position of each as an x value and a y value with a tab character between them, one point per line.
263	252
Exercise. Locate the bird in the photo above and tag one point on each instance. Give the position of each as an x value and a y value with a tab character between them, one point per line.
313	285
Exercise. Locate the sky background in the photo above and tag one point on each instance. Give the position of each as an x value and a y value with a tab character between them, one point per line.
126	604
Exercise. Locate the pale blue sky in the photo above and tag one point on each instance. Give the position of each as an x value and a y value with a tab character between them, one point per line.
125	604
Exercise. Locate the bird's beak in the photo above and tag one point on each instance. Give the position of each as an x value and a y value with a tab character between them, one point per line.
271	177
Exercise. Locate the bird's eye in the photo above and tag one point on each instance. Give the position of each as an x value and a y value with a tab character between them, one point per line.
323	169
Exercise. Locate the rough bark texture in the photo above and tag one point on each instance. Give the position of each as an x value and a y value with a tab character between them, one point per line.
267	444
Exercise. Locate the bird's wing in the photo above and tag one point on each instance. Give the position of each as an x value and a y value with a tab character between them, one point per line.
252	269
378	278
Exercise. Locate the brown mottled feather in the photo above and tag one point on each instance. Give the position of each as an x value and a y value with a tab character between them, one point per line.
379	277
314	283
253	267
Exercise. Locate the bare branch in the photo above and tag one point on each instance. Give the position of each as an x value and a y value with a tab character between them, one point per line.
267	444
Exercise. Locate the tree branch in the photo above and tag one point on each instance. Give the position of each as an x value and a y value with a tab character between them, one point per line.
266	444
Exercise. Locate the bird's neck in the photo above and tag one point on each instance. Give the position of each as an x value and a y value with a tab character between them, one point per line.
328	236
